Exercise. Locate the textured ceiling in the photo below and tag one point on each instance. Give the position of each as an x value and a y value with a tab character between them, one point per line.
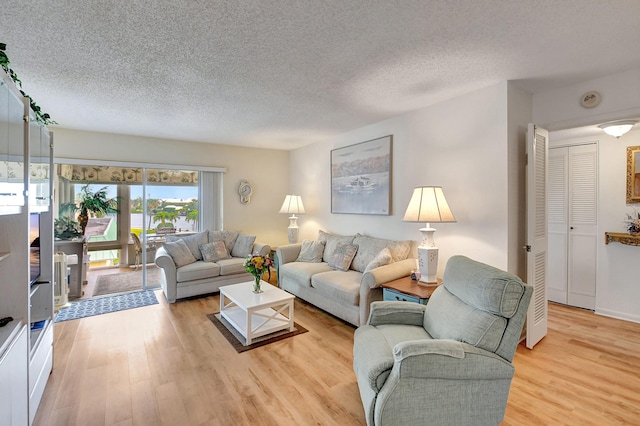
282	74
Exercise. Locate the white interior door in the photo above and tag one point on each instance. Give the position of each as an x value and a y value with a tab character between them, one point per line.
573	225
537	155
558	200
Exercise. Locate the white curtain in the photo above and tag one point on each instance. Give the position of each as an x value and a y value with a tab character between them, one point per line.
210	212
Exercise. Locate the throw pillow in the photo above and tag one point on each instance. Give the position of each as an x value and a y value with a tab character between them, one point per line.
381	259
243	245
180	253
229	238
331	243
212	252
369	247
342	256
311	251
192	241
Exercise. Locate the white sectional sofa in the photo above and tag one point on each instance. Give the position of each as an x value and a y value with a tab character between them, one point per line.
322	273
203	262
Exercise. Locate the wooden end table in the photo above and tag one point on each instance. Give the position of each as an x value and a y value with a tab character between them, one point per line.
407	290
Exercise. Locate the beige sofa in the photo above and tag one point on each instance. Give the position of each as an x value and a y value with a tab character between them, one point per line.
203	262
314	273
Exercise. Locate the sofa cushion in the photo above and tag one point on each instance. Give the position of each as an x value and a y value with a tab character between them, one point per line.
233	265
331	241
311	251
343	286
493	290
243	245
229	238
214	251
193	242
381	259
179	252
368	249
301	272
342	256
448	317
197	271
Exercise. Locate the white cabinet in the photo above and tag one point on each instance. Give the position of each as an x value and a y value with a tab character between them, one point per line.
13	370
12	148
26	351
39	168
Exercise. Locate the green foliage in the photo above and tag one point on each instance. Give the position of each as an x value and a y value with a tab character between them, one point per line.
41	117
192	216
66	228
96	202
164	216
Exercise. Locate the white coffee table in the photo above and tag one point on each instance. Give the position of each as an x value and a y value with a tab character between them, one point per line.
255	315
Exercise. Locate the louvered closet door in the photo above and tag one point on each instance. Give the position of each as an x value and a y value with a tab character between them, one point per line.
558	199
581	255
537	232
573	225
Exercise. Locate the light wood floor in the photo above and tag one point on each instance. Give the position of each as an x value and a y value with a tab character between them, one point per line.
168	365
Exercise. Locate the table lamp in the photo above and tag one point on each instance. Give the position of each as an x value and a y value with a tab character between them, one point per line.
428	205
292	205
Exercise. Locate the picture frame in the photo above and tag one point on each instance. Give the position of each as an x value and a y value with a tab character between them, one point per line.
361	177
633	174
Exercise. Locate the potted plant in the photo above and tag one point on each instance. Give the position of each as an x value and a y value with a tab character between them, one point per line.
95	203
633	223
65	228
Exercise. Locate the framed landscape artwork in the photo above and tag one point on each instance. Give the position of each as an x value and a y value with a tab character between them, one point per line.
633	174
361	178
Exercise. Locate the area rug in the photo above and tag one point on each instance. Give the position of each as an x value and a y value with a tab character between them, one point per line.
126	281
237	340
107	304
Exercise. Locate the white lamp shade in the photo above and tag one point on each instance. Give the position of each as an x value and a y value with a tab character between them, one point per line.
292	205
428	205
618	128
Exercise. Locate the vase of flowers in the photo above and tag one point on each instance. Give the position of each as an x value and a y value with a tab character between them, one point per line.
256	265
633	223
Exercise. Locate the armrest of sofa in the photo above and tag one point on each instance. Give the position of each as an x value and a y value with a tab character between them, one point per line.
396	313
370	284
169	275
261	249
384	274
288	253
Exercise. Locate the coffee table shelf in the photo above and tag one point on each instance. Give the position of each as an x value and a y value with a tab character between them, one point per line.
255	315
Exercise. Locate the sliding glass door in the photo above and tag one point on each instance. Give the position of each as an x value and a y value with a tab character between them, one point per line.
152	203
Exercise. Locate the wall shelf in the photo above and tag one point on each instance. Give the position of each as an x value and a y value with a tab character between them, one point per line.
622	238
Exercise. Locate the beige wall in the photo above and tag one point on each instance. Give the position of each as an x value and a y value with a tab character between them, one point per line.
267	170
460	144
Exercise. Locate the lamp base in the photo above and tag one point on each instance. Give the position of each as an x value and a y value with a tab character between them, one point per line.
292	230
428	265
292	234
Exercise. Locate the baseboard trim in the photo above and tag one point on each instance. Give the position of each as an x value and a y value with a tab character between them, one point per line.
618	315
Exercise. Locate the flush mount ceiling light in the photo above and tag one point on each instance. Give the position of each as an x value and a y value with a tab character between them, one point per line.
618	128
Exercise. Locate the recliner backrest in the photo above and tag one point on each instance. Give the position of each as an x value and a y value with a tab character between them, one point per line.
480	305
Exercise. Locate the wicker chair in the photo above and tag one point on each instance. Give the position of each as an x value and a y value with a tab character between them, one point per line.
151	249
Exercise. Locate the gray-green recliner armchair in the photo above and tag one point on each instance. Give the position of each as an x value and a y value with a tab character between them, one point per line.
446	363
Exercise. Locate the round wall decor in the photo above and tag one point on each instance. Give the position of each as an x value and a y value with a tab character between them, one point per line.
244	190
